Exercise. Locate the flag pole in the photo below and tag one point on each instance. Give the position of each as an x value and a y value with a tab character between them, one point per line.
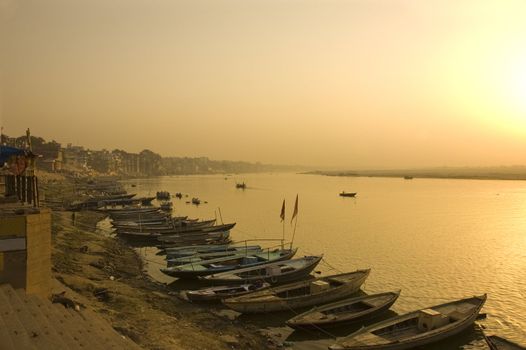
294	215
294	232
283	237
282	216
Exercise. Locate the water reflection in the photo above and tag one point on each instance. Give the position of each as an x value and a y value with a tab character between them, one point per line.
437	240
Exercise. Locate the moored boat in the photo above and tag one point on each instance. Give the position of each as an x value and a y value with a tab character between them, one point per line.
203	257
177	252
275	273
175	235
344	311
174	227
221	292
416	328
300	294
208	267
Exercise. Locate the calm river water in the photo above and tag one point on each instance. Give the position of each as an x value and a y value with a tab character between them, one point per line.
434	239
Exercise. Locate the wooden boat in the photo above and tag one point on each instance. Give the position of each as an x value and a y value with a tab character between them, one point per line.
176	234
109	197
138	241
273	273
497	343
300	294
176	227
129	209
146	200
228	263
222	292
348	194
204	238
203	257
143	212
212	243
154	237
179	252
417	328
165	219
345	311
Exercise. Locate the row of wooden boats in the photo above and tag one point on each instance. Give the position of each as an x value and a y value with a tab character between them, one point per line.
287	285
150	226
249	278
94	202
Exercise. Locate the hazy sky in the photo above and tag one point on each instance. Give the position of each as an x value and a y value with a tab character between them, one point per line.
352	84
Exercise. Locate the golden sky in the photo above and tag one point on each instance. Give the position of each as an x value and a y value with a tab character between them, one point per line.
349	84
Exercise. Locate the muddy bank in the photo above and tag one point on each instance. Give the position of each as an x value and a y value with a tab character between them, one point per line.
109	276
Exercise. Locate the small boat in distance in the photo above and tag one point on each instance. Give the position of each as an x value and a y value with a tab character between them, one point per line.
347	194
241	185
163	195
417	328
408	177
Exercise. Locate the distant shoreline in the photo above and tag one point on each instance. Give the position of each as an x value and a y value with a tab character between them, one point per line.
424	174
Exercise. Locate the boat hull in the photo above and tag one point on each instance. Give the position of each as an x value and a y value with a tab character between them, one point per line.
291	276
264	305
411	342
302	322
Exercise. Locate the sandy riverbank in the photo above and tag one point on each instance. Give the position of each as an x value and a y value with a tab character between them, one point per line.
110	278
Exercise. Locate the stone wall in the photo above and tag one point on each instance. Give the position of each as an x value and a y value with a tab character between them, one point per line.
25	251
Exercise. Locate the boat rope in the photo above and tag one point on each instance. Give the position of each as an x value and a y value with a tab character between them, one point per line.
324	261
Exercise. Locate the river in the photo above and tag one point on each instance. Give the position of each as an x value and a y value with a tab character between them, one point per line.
435	239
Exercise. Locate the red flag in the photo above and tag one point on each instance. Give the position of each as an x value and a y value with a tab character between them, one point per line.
295	213
282	215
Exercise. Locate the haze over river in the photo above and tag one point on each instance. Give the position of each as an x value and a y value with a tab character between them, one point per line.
435	239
